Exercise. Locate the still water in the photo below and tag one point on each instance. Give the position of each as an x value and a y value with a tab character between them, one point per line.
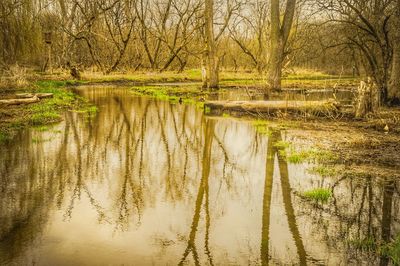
146	182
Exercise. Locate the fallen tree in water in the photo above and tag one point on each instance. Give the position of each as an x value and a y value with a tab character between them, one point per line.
272	108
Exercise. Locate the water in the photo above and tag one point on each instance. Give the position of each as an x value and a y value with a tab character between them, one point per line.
146	182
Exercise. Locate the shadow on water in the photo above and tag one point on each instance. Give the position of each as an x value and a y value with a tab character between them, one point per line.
149	182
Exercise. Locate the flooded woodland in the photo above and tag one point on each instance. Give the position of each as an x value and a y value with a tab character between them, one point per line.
147	182
199	132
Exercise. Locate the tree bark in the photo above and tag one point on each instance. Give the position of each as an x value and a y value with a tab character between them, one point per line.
394	84
279	37
212	60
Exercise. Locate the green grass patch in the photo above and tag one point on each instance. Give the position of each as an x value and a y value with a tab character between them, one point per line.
392	251
4	137
41	128
46	111
323	170
89	111
262	127
282	144
310	155
318	194
42	118
184	94
366	244
369	244
40	140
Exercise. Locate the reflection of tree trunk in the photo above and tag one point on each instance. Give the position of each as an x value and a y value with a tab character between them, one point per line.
267	203
387	217
287	201
272	151
203	191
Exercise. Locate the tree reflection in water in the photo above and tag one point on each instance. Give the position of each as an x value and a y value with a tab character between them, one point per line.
274	152
142	170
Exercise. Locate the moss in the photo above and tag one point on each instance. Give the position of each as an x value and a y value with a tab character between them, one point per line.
318	194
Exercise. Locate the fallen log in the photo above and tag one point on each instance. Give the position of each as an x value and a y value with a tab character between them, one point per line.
31	95
271	108
34	99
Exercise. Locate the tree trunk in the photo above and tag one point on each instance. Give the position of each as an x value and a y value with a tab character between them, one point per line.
394	84
275	65
279	37
212	60
204	69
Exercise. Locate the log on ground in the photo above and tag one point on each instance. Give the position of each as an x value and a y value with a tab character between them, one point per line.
320	108
34	99
31	95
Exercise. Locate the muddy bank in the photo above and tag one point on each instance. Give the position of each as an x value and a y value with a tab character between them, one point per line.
364	148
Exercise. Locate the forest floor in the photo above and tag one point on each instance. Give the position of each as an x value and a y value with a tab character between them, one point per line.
364	146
